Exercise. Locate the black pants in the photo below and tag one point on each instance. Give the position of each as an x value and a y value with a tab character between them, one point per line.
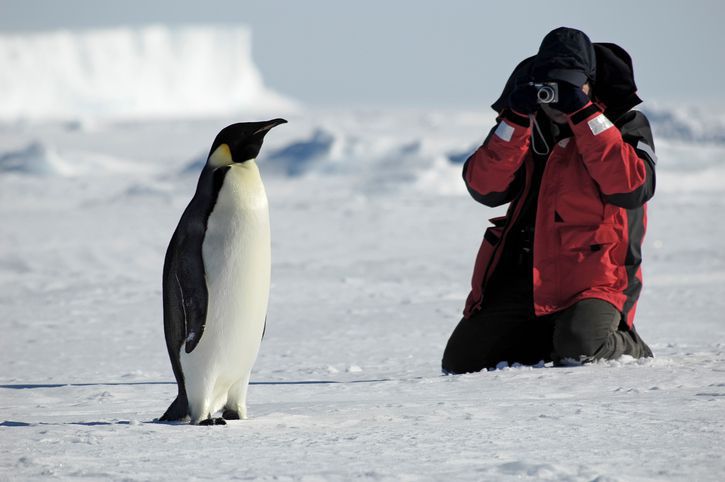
507	330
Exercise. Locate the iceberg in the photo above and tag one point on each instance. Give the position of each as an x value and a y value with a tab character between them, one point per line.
133	73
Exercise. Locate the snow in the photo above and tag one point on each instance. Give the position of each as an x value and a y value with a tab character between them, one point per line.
36	158
688	123
373	243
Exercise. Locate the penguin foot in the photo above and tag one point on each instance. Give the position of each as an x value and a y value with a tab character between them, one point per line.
231	415
213	421
178	410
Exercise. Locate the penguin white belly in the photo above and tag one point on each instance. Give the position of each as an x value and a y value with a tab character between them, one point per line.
237	262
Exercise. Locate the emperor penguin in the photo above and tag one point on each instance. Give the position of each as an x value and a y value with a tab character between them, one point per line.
216	280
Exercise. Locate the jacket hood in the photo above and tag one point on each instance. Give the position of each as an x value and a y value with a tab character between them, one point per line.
565	55
614	87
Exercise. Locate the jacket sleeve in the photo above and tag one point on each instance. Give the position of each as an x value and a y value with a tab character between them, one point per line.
493	172
621	161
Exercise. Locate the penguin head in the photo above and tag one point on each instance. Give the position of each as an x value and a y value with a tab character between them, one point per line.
240	142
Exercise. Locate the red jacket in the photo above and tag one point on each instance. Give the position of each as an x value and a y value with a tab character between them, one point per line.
591	210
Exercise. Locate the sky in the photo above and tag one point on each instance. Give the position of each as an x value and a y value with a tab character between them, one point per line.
424	53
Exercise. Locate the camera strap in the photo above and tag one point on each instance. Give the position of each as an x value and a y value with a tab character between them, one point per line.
536	129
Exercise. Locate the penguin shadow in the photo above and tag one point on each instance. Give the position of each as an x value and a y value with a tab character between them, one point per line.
40	386
16	424
35	386
217	421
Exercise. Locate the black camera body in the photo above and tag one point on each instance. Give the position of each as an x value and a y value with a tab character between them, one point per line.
546	92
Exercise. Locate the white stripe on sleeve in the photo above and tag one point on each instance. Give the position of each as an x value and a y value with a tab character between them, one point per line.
599	124
504	131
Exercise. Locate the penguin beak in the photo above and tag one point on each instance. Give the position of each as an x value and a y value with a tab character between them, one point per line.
262	131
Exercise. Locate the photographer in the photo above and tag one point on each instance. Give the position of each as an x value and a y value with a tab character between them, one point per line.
558	278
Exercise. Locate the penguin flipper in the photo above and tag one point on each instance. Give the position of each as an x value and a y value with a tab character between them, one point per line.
191	274
193	296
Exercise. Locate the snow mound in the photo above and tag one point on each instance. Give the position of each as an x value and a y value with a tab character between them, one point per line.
299	156
35	159
689	124
460	157
146	72
328	152
194	166
369	161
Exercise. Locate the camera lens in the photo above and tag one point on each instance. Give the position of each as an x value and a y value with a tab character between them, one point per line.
545	94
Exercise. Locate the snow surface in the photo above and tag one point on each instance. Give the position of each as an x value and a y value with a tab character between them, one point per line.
373	243
153	71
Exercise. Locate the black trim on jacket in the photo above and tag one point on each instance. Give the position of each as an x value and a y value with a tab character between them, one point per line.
633	260
635	129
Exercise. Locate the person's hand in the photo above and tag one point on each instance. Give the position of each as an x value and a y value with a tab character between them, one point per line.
522	99
571	98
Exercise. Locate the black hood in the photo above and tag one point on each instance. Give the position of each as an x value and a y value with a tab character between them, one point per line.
565	55
613	85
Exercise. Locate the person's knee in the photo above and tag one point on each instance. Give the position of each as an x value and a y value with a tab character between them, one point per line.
463	352
458	358
453	365
583	329
574	340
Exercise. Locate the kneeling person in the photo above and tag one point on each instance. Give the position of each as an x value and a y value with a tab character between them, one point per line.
559	276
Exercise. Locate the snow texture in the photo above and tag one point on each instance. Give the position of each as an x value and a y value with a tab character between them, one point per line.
373	246
373	243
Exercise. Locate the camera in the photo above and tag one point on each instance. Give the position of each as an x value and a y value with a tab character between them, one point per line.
546	92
